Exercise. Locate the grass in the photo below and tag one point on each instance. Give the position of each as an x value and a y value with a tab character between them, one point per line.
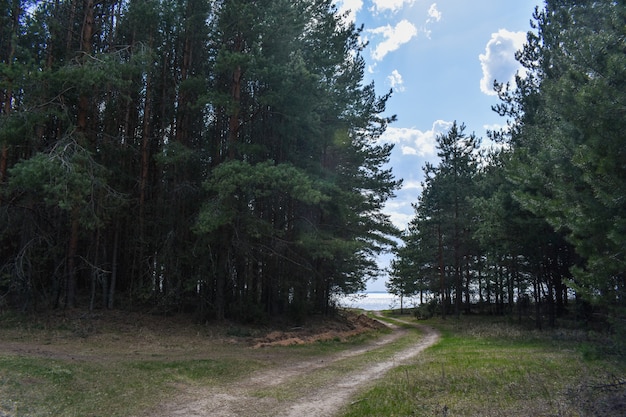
52	387
81	365
481	367
487	367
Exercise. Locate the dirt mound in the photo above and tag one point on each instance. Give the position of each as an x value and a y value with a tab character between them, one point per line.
345	326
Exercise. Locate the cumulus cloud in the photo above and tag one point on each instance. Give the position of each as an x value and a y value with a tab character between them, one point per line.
434	15
400	212
400	209
352	7
413	148
494	126
396	81
498	62
412	185
413	141
390	38
394	37
390	5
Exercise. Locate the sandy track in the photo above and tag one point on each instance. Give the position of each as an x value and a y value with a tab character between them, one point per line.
239	399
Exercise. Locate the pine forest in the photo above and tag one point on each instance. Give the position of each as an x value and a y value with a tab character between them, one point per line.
534	227
214	157
223	158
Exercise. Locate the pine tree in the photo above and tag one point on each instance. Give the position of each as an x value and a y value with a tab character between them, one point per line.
440	236
220	157
567	140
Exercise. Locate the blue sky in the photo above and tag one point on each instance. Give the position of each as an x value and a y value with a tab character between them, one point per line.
440	58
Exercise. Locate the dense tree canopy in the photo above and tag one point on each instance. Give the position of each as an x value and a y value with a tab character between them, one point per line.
545	218
213	156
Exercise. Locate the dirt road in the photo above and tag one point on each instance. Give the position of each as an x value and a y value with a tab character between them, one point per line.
305	393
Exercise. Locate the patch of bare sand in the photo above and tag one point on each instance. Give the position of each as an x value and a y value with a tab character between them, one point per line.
238	399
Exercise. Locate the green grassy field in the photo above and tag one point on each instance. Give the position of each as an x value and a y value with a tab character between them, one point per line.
489	367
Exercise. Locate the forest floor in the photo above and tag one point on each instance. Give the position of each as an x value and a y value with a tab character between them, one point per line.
313	369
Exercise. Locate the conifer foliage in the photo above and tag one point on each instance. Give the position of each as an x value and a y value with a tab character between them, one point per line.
213	156
541	221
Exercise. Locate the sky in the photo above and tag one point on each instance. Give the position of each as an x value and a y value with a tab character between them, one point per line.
440	58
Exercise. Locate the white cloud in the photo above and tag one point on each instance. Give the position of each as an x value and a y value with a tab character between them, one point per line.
390	5
413	148
350	6
498	62
396	81
395	36
414	141
494	126
410	150
412	185
400	211
400	220
434	15
395	204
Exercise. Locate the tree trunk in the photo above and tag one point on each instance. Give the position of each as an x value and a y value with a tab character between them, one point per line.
69	39
182	117
223	266
70	286
498	289
468	278
4	156
111	296
86	35
480	283
235	95
442	280
550	301
8	96
511	286
95	272
145	153
537	296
